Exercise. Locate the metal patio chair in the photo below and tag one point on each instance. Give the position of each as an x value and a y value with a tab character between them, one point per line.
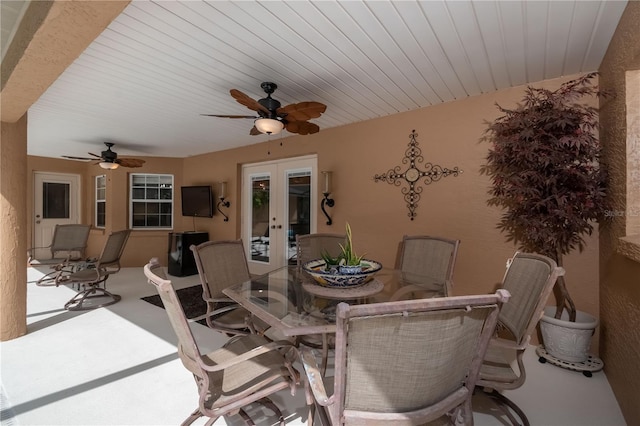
433	257
222	264
88	280
406	362
530	279
66	251
245	370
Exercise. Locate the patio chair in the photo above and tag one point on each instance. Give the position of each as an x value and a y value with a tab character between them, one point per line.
66	251
222	264
408	362
89	279
311	246
530	279
433	257
246	369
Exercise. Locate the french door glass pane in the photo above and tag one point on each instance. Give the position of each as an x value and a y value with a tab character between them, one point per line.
299	215
55	200
260	187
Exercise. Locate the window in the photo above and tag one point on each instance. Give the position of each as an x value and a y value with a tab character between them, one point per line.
151	201
101	201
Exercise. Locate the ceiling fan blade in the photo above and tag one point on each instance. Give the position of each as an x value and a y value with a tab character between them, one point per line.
302	111
230	116
302	127
130	162
95	155
71	157
247	101
254	131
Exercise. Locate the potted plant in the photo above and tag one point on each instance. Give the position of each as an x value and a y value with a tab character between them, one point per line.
544	166
350	262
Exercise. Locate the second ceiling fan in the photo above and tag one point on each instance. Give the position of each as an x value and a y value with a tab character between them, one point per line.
272	117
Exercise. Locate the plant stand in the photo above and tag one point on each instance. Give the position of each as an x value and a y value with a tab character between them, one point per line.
587	367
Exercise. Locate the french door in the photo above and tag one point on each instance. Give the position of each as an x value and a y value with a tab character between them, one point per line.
56	202
279	202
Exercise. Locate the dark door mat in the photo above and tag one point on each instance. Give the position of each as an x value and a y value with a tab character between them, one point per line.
190	299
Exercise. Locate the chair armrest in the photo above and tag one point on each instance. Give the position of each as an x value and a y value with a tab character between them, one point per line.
221	310
510	344
259	350
218	299
314	377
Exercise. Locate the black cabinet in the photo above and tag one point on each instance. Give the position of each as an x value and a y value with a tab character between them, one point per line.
181	262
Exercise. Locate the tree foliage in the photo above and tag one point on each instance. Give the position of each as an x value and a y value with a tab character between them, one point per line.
546	174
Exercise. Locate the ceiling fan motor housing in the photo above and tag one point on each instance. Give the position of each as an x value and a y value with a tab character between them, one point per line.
271	104
109	156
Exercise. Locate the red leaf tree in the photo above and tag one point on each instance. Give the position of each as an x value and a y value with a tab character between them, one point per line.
545	170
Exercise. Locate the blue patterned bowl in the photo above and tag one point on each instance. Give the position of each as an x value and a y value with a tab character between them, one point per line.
333	278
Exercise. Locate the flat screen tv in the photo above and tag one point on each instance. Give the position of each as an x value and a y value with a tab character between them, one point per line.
197	201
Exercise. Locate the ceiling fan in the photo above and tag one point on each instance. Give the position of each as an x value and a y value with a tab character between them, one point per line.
272	118
109	159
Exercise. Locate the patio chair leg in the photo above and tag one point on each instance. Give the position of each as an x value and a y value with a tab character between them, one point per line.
506	404
246	417
273	407
77	302
192	417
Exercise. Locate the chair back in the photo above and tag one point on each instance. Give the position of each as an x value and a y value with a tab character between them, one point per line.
311	246
187	346
402	360
113	249
429	256
221	264
69	239
530	279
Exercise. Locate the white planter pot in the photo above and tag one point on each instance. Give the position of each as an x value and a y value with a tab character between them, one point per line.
566	340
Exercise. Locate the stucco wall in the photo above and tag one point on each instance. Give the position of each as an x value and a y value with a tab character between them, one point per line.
13	212
620	276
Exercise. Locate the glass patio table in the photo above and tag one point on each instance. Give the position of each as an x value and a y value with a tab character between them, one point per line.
294	304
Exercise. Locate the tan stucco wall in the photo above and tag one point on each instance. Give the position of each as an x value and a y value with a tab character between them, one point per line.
13	212
620	275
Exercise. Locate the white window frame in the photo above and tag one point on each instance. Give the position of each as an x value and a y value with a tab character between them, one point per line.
161	179
100	190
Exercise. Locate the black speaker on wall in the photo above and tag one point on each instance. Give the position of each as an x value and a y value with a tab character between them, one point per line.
181	261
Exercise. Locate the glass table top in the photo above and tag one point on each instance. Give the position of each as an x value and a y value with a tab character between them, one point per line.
295	304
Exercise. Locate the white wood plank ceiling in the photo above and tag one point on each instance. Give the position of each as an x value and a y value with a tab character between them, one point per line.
144	82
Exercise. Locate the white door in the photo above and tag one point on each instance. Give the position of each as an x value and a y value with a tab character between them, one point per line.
56	201
279	202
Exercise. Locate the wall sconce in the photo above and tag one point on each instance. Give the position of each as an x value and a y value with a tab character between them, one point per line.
223	190
326	200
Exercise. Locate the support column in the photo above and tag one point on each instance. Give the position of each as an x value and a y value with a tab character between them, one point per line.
13	222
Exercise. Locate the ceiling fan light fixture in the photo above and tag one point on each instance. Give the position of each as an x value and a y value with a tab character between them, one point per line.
269	126
108	165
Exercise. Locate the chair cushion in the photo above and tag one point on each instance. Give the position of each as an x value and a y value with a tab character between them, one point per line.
497	366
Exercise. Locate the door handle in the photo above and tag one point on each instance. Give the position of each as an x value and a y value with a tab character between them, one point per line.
279	226
273	227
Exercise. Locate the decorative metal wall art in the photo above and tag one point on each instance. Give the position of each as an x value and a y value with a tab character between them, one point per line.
412	175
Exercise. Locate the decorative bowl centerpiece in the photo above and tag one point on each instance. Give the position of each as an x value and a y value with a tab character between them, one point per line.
336	277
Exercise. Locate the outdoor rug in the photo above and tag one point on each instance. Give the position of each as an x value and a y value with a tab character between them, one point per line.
190	299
